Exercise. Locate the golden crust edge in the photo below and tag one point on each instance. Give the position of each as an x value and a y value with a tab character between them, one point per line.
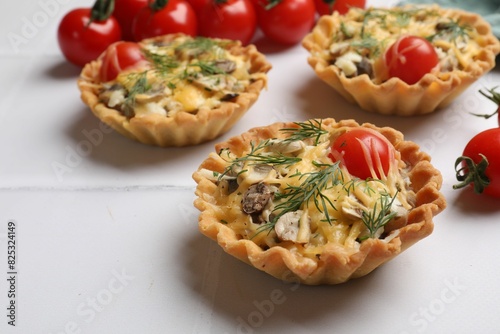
178	130
336	265
395	97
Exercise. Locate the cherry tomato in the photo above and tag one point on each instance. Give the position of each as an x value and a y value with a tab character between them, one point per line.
364	152
229	19
118	57
326	7
198	5
494	96
177	16
479	164
124	12
410	58
286	21
82	41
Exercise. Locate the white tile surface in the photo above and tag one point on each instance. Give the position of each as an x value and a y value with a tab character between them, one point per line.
107	233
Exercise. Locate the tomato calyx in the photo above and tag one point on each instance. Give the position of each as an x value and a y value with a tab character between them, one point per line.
472	173
271	4
101	10
492	95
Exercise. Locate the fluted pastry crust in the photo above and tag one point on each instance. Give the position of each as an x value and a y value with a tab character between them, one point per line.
183	128
335	263
392	96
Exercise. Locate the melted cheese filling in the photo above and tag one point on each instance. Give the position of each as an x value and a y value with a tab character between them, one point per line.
185	75
336	215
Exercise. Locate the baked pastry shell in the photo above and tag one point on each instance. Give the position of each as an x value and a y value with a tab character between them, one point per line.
184	128
394	96
336	263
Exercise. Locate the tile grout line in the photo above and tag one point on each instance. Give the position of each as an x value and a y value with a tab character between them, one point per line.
100	188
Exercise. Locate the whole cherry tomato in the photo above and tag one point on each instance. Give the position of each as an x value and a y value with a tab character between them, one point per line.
326	7
119	57
286	21
124	12
83	34
162	17
364	152
229	19
198	5
410	58
479	164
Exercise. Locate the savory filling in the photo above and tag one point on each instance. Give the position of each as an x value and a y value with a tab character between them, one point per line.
289	192
184	75
360	44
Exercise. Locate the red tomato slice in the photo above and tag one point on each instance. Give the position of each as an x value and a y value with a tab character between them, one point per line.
119	57
364	152
410	58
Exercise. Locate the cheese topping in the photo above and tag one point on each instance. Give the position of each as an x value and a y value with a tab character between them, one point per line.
364	35
288	192
184	75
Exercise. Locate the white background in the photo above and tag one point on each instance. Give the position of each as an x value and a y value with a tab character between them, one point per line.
111	244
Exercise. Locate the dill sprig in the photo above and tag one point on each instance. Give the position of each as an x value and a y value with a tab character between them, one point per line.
162	63
208	67
309	129
380	215
258	156
311	188
453	29
140	86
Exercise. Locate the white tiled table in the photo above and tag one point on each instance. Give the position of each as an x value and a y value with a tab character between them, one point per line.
107	238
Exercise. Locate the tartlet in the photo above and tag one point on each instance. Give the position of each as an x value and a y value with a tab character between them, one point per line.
186	91
348	53
275	199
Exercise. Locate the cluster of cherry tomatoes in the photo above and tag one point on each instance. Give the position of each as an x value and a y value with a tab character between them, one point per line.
84	33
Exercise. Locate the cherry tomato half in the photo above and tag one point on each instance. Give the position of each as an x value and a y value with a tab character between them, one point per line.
325	7
124	12
176	17
231	19
288	21
480	163
118	57
364	152
81	42
410	58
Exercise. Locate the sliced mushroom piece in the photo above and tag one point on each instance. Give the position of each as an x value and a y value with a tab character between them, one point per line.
256	197
293	226
365	67
286	147
225	65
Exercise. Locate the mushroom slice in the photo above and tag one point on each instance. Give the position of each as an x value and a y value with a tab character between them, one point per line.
285	147
256	197
293	226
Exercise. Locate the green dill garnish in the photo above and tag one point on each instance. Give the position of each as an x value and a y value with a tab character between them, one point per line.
208	67
367	43
140	86
380	215
199	45
452	29
311	188
256	157
309	129
162	63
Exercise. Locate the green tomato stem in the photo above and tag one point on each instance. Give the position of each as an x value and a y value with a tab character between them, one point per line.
472	173
101	10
